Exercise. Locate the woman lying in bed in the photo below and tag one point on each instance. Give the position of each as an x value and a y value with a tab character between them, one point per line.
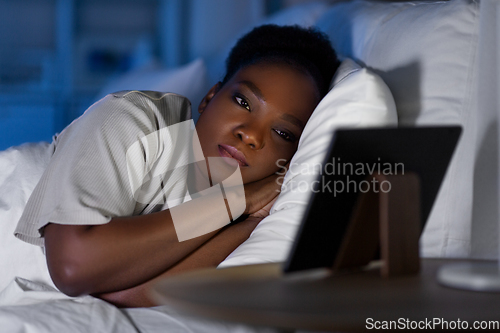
100	239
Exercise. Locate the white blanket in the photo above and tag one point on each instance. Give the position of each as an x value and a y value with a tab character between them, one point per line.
38	308
29	301
20	169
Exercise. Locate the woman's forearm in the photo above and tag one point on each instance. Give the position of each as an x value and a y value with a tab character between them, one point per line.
121	254
210	254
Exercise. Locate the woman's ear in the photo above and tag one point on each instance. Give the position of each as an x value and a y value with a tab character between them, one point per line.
208	97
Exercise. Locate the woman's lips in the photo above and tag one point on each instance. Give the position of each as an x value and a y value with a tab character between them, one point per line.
232	152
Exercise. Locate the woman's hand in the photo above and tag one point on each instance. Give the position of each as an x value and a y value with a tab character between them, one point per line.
260	194
263	212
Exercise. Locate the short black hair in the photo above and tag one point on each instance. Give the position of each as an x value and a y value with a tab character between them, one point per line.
305	49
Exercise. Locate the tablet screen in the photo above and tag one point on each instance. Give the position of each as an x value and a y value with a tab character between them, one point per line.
354	155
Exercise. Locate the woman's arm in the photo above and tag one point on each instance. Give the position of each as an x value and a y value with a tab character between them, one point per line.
128	251
118	255
210	254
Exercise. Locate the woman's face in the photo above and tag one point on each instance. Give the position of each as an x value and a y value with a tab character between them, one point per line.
257	117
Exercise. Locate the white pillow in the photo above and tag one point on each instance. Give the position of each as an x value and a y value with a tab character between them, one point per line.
426	53
359	98
21	168
189	80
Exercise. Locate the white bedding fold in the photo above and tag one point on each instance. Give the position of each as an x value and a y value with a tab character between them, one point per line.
30	307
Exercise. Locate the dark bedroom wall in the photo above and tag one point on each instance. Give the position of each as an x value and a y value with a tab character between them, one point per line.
55	55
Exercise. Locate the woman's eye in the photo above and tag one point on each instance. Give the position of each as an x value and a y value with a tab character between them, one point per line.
285	135
242	102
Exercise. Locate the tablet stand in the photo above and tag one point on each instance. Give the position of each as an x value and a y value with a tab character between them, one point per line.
388	215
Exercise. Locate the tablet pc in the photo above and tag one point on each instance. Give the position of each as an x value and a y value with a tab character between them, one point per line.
353	155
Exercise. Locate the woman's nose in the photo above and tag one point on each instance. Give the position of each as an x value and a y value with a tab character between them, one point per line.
249	136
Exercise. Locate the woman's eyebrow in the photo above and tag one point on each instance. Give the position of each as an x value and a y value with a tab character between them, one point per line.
292	119
256	91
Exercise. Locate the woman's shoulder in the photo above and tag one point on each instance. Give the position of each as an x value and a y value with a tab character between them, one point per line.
168	103
131	111
158	108
126	116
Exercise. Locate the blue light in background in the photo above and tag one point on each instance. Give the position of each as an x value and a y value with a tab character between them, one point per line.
55	55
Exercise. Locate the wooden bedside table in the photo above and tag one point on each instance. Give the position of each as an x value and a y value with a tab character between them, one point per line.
260	295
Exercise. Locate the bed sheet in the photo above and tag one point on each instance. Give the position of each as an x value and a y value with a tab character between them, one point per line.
29	302
31	307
